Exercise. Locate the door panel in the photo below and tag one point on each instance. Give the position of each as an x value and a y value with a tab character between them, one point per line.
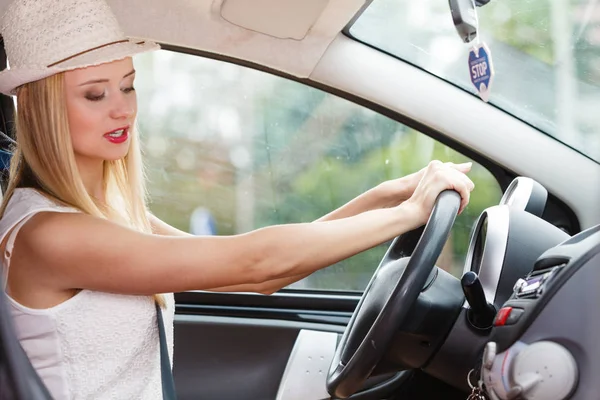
241	352
238	346
229	359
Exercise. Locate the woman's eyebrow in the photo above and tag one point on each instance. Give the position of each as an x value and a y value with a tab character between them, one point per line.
129	73
106	80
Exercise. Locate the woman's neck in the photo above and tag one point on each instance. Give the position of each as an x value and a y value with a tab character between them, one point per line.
92	175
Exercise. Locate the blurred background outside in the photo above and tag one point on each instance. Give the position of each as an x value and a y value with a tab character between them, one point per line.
230	149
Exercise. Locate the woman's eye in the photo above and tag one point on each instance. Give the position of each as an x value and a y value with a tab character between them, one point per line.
94	97
128	90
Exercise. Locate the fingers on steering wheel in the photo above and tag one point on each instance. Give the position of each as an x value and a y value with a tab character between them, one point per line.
464	201
455	179
435	165
458	181
462	167
465	193
465	188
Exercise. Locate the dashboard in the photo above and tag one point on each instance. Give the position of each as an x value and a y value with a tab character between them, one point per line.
508	238
532	293
519	324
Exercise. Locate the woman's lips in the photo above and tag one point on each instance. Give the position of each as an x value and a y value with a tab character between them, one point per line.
118	135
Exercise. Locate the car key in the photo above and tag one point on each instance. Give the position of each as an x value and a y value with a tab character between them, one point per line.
476	394
476	391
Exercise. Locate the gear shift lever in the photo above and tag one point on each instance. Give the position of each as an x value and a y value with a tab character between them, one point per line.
481	314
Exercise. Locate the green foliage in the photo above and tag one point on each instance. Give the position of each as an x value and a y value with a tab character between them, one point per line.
523	24
530	27
310	152
334	179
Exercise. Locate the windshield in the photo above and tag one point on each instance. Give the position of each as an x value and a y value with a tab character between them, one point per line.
546	56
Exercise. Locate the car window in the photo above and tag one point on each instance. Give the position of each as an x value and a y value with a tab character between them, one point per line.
230	149
546	57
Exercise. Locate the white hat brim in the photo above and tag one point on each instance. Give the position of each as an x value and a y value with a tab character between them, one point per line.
11	79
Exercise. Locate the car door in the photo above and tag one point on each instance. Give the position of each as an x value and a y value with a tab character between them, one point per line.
230	149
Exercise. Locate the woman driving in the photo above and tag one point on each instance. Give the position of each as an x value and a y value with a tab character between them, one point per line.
84	261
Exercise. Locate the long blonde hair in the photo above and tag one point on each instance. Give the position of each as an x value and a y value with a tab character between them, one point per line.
44	160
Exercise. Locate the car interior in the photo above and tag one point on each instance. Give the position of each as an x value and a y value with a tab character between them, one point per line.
278	111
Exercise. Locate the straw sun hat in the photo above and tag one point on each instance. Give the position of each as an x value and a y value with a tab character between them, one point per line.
45	37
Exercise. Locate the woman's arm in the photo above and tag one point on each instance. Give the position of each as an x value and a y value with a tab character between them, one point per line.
96	254
373	199
160	227
390	193
387	194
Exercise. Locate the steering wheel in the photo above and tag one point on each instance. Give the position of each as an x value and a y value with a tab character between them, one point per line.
388	298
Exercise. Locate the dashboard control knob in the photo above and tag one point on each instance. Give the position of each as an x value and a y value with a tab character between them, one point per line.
489	355
481	315
542	370
519	285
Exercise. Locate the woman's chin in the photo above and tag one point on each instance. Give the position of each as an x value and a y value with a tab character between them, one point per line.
115	157
92	159
116	153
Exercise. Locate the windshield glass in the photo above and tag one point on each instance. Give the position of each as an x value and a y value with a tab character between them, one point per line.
546	56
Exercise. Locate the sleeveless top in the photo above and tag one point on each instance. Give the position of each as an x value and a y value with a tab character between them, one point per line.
94	345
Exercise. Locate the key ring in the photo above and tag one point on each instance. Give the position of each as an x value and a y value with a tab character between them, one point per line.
469	379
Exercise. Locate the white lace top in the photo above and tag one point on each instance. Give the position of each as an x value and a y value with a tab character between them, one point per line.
95	345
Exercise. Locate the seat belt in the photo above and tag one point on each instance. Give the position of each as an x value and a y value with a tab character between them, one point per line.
166	373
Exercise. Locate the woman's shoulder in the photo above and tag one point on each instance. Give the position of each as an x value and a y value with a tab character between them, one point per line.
31	198
25	202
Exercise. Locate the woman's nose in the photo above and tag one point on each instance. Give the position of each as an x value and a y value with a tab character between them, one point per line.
122	108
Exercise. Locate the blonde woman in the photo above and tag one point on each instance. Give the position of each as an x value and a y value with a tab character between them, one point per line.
84	261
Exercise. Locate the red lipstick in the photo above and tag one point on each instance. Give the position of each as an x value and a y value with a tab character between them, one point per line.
118	136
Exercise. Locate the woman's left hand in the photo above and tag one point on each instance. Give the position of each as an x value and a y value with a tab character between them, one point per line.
393	192
387	194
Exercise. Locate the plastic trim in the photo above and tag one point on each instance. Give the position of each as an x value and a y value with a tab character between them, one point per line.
245	322
306	371
518	193
494	249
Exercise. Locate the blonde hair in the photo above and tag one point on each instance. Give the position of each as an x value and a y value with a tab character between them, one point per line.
44	160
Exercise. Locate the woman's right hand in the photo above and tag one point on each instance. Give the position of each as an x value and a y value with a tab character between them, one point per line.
437	178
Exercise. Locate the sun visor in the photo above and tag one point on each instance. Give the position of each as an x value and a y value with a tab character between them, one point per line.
283	19
287	35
